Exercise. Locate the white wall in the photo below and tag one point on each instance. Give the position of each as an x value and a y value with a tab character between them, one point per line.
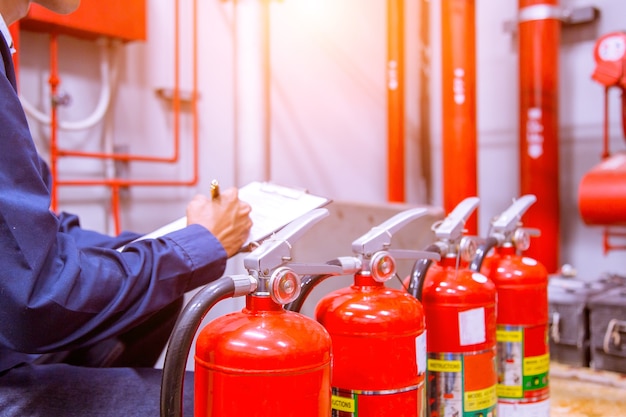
328	109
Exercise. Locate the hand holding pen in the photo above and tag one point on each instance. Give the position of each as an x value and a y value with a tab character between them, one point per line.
224	215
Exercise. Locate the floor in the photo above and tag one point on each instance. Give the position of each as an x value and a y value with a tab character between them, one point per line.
582	392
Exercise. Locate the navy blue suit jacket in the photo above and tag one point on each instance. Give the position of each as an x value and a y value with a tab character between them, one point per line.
62	287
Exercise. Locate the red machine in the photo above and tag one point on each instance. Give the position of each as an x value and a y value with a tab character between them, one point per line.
263	361
460	309
379	346
523	358
601	198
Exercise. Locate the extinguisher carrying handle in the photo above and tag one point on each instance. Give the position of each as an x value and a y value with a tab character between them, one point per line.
503	226
184	331
409	254
340	266
275	251
379	237
451	228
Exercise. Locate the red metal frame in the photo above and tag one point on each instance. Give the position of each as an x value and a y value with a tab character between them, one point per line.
120	19
116	183
458	46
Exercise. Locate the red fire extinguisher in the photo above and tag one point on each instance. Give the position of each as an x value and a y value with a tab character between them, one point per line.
261	361
523	358
379	346
460	307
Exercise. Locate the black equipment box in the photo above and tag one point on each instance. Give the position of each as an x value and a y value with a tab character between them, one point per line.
568	309
607	323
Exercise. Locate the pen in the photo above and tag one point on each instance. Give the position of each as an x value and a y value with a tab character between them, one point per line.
215	189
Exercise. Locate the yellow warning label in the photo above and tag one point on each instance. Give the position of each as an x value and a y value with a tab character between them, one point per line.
507	391
514	336
343	404
536	365
438	365
481	399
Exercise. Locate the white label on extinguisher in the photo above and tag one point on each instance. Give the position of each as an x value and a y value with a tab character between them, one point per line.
420	352
472	327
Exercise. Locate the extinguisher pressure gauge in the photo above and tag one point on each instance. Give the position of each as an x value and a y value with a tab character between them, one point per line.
284	285
382	266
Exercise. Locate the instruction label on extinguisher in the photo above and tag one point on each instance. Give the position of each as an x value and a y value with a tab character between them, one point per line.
523	362
462	385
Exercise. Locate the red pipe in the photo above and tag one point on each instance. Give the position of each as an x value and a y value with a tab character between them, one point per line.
14	29
395	100
458	46
539	36
54	84
116	183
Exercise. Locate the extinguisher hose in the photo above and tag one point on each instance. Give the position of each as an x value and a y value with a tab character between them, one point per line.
416	282
181	340
481	253
308	283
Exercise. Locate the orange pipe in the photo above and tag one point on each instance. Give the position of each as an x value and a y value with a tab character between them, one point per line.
115	183
539	33
395	100
458	48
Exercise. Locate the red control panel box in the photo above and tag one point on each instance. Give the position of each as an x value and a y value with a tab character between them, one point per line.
119	19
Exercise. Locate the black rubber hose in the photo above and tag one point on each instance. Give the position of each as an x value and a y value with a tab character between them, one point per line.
416	282
308	283
481	253
181	340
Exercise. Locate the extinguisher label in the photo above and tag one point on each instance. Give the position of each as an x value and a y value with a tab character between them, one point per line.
523	362
344	403
462	384
351	403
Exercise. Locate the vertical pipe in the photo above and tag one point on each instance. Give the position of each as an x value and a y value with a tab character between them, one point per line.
458	46
252	110
424	98
395	100
54	83
539	33
14	29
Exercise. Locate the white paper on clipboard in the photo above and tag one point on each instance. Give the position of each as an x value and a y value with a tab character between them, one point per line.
273	207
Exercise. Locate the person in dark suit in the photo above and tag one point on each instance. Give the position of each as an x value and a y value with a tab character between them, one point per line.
81	323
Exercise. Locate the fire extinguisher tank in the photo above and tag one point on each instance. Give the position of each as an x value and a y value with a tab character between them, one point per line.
269	357
377	333
519	278
374	331
263	360
451	296
523	358
460	310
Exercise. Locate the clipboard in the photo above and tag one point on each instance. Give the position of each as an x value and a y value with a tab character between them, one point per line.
273	207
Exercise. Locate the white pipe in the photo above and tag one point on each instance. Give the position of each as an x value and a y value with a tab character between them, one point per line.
100	110
252	113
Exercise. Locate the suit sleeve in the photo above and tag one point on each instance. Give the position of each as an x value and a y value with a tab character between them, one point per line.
61	287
